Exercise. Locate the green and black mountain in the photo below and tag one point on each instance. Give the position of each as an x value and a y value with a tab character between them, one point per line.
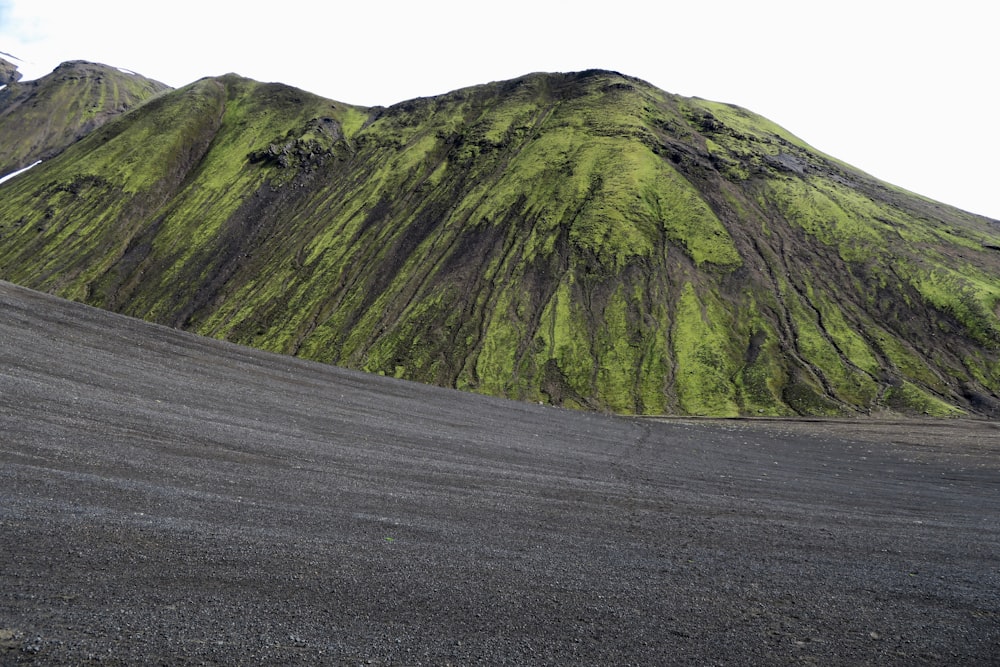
582	239
38	119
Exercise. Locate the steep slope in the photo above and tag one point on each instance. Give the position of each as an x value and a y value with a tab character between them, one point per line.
38	119
581	239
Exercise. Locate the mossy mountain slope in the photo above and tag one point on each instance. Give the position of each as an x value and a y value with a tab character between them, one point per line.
581	239
40	118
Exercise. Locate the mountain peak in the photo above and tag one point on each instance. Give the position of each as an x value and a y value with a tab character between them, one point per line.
42	117
70	68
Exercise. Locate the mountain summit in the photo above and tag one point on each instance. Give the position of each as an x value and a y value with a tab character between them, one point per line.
580	239
39	119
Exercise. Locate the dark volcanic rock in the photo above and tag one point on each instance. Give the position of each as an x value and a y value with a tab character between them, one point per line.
983	403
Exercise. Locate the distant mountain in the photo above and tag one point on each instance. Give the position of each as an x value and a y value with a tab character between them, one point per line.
580	239
38	119
8	72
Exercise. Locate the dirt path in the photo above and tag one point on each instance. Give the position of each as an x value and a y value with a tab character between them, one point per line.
165	498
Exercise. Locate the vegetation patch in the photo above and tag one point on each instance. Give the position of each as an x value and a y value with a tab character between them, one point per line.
909	398
705	358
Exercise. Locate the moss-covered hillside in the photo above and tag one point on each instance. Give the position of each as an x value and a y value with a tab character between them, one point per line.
580	239
38	119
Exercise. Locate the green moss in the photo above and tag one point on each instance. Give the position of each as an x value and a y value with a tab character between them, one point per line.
908	362
805	396
352	119
742	124
760	379
705	360
849	385
910	398
824	211
618	198
655	362
510	120
497	358
565	337
984	369
969	296
849	343
619	355
409	348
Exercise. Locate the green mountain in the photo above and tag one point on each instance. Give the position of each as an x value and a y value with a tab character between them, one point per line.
38	119
581	239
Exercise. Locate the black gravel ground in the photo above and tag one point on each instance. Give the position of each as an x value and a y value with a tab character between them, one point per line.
166	499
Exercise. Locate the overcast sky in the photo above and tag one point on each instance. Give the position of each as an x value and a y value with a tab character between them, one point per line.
907	91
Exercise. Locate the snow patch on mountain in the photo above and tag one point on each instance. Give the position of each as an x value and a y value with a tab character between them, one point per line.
28	69
19	171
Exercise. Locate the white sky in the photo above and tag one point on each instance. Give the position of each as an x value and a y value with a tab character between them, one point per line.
905	90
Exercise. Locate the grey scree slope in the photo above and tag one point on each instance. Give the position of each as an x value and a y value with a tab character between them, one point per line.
168	498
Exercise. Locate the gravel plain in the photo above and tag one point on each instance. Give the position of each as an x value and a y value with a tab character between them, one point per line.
169	499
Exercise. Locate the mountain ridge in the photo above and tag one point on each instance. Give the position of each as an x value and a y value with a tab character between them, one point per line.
582	239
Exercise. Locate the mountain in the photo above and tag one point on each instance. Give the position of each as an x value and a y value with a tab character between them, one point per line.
38	119
579	239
